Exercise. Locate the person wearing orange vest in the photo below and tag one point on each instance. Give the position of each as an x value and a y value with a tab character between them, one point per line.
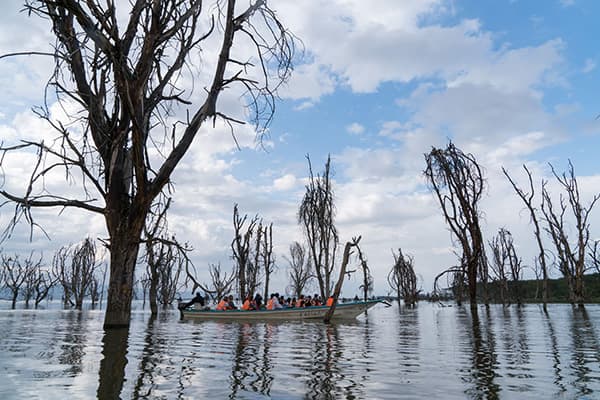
249	304
329	301
222	306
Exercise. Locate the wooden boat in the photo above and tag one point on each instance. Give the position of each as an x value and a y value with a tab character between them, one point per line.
342	311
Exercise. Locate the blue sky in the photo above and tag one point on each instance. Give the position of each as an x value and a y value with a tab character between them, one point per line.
512	82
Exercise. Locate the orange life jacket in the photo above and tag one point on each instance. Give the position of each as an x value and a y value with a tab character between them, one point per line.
329	302
222	306
270	304
299	303
246	305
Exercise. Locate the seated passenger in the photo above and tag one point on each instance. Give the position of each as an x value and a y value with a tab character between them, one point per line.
329	301
230	303
222	306
249	304
300	301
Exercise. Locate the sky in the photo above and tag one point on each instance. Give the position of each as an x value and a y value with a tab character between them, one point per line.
377	85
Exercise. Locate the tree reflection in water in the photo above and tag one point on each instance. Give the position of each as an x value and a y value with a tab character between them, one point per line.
252	364
73	345
484	361
555	353
585	360
112	366
514	337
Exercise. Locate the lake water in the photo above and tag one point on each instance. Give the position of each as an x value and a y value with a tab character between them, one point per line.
428	352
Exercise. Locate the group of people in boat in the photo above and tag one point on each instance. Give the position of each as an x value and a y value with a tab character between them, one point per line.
275	302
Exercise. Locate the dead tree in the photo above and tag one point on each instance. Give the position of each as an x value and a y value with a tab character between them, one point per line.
527	198
164	257
570	255
241	247
594	254
35	281
300	270
317	217
221	282
75	268
15	274
126	70
367	285
338	286
267	256
403	280
457	180
506	265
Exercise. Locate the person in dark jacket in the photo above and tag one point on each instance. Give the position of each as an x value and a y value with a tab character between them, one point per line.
197	299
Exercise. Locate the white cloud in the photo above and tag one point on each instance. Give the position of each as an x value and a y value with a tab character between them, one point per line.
589	66
285	182
355	128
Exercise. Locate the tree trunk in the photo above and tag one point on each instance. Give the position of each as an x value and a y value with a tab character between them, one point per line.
124	249
152	293
14	299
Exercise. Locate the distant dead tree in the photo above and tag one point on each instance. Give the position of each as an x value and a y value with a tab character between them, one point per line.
38	282
221	282
164	256
241	246
403	280
97	285
367	285
594	254
570	255
126	72
300	269
17	274
75	268
506	266
527	198
317	217
457	180
267	257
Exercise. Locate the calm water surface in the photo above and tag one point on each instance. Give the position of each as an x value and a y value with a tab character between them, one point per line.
429	352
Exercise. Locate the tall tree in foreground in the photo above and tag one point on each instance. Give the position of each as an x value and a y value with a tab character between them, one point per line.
403	280
122	73
317	217
571	255
457	180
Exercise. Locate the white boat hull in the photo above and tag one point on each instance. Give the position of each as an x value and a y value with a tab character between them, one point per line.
342	311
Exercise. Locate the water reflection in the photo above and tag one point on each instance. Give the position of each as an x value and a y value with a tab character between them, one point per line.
112	366
252	359
73	345
481	342
554	353
584	355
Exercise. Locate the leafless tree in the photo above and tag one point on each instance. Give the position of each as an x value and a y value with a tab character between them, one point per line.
457	180
506	266
317	217
38	281
367	285
594	254
125	71
267	256
164	256
527	198
241	247
300	270
75	268
403	280
16	273
570	255
221	282
97	285
338	286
